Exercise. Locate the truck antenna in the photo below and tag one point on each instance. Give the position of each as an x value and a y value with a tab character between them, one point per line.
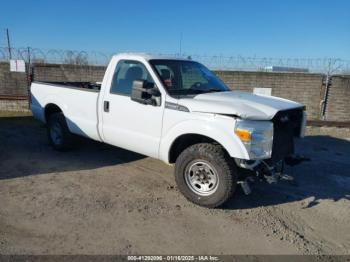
180	43
8	43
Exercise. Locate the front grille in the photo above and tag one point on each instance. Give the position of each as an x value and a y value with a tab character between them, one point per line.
286	126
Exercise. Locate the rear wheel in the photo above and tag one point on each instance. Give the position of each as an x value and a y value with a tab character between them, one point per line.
58	133
206	175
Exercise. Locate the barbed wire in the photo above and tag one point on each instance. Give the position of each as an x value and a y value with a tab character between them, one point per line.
214	62
315	65
55	56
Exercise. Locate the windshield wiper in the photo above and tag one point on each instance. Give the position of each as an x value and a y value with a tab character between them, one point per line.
210	90
194	91
215	90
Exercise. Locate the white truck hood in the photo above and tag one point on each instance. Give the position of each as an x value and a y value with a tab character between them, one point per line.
242	104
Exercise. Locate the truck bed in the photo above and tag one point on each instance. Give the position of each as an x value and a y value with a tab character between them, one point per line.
80	85
77	100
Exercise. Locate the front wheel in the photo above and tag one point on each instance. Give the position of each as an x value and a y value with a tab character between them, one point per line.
206	175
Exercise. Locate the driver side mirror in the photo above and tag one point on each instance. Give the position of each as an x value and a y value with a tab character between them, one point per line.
145	92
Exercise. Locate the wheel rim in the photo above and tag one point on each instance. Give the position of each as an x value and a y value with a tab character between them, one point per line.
56	133
201	177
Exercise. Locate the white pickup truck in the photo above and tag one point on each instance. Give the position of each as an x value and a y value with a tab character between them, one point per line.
178	111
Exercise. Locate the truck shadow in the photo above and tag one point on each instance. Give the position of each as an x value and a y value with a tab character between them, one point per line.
25	151
325	176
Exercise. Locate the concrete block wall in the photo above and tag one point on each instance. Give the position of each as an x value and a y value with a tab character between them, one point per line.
14	105
338	106
300	87
69	73
12	83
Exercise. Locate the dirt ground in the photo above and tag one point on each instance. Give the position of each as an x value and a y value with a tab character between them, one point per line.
99	199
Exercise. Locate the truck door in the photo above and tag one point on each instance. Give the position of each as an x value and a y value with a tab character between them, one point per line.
126	123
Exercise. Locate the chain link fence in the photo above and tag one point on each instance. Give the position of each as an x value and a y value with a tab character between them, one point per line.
214	62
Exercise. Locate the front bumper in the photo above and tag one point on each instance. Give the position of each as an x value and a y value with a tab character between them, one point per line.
287	125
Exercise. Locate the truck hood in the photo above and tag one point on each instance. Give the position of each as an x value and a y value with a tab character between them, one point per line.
241	104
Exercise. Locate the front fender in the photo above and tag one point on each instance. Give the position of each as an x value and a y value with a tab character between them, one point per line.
219	129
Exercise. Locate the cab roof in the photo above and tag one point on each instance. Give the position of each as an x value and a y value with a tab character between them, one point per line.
148	56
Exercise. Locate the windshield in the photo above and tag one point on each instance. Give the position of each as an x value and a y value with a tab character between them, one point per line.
182	78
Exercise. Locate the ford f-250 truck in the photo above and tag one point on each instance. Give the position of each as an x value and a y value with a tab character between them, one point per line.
180	112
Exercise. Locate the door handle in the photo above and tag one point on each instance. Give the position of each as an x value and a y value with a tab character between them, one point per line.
106	106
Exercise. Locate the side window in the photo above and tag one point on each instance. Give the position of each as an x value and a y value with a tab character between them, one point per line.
167	75
125	74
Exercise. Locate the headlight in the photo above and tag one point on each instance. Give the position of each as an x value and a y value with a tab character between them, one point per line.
256	136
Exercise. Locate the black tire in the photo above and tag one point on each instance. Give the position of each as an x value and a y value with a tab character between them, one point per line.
57	123
216	158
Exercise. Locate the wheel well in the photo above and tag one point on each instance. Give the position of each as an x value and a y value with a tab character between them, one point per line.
184	141
51	109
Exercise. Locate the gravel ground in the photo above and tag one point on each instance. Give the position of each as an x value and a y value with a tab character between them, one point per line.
99	199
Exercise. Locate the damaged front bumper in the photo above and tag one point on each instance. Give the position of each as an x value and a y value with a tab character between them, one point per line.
263	171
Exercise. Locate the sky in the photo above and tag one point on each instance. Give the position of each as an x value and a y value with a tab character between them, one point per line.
289	29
